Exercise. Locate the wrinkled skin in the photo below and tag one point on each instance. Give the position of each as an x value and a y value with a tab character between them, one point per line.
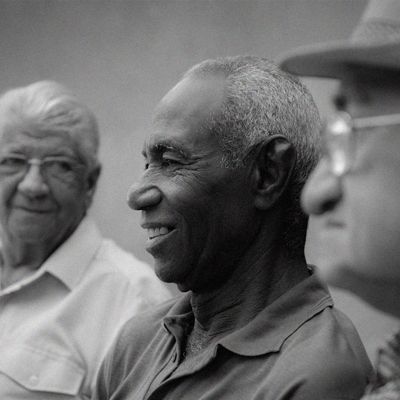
205	209
358	215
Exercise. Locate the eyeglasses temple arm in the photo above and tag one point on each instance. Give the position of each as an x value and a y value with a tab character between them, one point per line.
376	121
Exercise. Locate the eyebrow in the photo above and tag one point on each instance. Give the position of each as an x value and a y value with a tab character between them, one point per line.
165	145
52	152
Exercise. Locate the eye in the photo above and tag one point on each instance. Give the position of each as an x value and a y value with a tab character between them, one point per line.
12	163
59	167
168	160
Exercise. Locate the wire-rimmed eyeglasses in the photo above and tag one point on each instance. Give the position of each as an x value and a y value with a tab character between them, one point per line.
339	137
61	168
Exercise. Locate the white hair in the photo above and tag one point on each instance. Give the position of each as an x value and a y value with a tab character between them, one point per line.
52	107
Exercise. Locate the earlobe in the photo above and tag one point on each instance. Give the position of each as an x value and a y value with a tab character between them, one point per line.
272	170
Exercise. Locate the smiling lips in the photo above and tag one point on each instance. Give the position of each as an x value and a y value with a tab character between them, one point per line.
35	209
159	231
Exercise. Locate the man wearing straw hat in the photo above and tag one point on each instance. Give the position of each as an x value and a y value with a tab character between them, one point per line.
355	189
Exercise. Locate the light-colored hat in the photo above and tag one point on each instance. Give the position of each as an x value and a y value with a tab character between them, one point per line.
375	42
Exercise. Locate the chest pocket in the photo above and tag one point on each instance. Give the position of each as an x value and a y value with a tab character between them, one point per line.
37	370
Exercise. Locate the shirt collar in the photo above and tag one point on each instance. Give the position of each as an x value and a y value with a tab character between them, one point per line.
180	314
71	259
271	327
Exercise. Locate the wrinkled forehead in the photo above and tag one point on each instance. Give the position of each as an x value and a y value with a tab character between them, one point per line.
184	113
27	134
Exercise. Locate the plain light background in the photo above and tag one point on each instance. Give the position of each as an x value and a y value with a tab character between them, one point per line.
121	57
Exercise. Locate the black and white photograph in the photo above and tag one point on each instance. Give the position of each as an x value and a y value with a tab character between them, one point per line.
200	200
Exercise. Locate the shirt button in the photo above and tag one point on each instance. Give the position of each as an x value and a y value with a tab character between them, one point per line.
33	379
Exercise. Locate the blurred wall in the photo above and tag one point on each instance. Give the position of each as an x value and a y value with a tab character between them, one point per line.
120	57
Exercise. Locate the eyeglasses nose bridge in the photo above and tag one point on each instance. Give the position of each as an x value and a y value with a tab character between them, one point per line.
35	162
339	143
33	180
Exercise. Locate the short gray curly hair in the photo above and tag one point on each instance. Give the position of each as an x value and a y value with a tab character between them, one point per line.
261	101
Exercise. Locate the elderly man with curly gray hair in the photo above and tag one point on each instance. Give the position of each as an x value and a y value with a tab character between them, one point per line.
230	148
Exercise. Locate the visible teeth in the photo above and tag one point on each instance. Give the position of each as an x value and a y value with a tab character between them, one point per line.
154	232
163	230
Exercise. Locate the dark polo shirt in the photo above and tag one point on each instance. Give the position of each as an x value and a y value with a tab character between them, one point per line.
298	347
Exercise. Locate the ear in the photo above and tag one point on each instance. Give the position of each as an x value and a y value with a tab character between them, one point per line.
272	170
91	181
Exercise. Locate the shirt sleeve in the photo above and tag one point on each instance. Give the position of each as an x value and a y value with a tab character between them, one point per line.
102	387
336	380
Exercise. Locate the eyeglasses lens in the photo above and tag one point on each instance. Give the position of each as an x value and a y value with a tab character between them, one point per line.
339	146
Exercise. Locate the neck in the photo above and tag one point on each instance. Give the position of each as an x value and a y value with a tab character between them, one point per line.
20	259
379	294
255	283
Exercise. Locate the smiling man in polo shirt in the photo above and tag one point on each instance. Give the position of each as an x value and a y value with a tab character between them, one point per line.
230	148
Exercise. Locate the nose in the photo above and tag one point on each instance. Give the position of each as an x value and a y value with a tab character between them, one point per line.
322	191
33	184
142	196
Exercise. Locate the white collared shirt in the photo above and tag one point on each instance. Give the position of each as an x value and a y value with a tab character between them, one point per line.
57	324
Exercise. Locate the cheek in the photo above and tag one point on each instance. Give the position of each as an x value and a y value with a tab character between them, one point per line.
7	190
375	229
70	199
328	249
192	211
189	198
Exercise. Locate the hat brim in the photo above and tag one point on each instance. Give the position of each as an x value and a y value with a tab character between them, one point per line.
332	60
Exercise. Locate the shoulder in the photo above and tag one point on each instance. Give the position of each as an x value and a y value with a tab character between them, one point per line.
329	336
137	334
121	269
325	359
122	262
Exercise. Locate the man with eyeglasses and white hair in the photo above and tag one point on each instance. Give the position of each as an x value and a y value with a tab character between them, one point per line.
354	191
64	289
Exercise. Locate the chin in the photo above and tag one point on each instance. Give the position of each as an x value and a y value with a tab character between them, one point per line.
182	287
34	236
333	273
166	271
173	272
